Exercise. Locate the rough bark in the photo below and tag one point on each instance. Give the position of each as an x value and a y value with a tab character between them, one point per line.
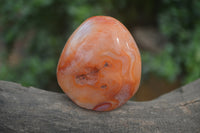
30	109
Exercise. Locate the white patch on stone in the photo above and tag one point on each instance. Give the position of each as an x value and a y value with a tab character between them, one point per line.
127	45
117	40
132	56
79	35
123	94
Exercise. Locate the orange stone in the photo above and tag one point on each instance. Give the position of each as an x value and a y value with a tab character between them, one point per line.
100	65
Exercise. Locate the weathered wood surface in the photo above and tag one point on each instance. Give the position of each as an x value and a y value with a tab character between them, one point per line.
33	110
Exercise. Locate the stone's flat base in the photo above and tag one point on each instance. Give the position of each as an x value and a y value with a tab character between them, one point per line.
30	109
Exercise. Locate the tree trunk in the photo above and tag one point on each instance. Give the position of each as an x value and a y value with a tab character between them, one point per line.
30	109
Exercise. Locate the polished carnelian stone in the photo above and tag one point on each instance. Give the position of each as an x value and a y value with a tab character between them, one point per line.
100	65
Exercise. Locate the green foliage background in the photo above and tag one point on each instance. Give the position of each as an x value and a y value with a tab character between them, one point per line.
179	21
50	22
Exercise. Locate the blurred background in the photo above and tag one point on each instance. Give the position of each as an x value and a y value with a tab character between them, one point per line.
33	33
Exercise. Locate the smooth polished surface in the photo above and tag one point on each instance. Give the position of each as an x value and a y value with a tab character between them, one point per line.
100	65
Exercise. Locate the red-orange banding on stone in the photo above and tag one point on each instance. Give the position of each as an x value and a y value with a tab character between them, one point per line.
100	63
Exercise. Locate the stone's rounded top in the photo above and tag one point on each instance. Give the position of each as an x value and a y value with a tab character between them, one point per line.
100	65
107	19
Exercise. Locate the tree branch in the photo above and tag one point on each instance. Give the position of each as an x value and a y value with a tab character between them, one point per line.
30	109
